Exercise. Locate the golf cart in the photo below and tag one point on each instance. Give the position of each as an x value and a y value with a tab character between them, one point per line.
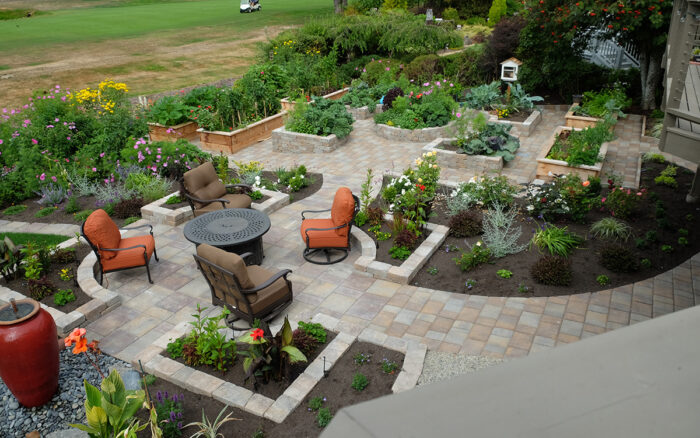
250	6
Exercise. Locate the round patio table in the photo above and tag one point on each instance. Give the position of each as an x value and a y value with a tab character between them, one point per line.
237	230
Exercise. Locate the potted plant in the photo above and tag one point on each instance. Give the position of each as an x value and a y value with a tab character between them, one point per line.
168	120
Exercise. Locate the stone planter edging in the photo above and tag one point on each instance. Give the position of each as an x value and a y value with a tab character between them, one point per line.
295	142
404	273
546	165
186	131
103	300
453	160
644	137
523	129
414	135
234	141
362	113
154	362
154	213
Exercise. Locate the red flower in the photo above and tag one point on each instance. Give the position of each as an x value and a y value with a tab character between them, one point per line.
257	334
543	200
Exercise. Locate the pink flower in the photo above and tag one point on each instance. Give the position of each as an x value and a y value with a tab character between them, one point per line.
42	176
34	141
94	169
136	146
364	70
67	160
380	61
603	200
0	140
67	138
459	115
639	193
53	178
387	69
102	154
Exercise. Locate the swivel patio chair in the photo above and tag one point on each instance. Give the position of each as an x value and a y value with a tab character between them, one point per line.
113	252
249	292
329	236
205	192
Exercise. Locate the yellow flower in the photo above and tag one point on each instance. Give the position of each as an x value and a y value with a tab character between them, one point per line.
434	166
420	180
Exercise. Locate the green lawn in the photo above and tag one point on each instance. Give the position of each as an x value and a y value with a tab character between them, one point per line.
25	238
129	20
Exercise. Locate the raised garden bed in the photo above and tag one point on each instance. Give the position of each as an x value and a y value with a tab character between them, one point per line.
547	167
524	123
647	125
585	260
186	131
450	156
415	135
288	104
294	142
234	141
362	113
580	122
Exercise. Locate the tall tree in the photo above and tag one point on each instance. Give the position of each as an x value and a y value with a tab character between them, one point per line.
644	23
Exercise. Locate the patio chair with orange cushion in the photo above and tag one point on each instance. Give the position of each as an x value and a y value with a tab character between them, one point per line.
113	252
331	235
249	292
205	192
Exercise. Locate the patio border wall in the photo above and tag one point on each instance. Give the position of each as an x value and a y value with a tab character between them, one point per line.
415	135
362	113
154	362
454	160
298	143
523	129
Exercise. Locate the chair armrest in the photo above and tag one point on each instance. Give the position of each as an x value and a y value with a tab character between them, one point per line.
245	255
277	276
150	228
123	249
324	229
206	201
313	211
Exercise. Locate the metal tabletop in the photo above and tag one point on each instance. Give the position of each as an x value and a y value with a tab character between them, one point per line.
228	227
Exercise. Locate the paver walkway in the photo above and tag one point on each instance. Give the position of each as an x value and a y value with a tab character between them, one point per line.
501	327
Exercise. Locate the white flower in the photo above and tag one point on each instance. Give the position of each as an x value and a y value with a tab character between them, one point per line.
454	193
478	243
403	192
302	176
550	173
279	181
391	206
530	207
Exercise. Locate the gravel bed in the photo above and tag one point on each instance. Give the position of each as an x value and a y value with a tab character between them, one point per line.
66	406
441	366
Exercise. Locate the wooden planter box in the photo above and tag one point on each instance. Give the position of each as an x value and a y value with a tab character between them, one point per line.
158	132
644	137
522	129
234	141
580	122
295	142
545	166
288	105
454	160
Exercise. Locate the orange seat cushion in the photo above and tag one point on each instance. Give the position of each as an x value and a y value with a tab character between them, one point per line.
101	230
202	182
235	201
131	257
271	295
322	239
342	210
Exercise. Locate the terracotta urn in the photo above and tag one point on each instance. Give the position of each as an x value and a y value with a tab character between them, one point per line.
28	352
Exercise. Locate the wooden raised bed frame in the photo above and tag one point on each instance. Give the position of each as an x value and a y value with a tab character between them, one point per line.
581	122
234	141
546	165
288	105
186	131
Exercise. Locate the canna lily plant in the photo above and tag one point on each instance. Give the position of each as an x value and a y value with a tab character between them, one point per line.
269	356
77	337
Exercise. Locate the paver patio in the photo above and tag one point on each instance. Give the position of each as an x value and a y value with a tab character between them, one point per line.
501	327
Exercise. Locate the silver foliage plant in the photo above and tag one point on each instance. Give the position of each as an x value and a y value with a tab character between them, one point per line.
460	199
500	234
81	184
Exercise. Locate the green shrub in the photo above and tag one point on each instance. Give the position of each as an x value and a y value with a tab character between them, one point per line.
321	117
552	271
424	67
602	280
314	329
498	9
622	203
477	255
14	209
399	252
611	229
45	212
465	223
504	273
63	297
359	382
72	205
618	258
168	111
450	14
645	263
324	417
175	199
667	177
149	187
500	234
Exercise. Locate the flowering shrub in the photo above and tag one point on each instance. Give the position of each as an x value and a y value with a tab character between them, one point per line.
566	195
483	191
477	255
169	410
161	156
415	107
621	203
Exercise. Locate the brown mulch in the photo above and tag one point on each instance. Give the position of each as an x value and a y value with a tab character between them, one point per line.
20	284
302	421
585	260
273	388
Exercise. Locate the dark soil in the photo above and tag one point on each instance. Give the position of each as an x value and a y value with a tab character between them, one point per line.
315	179
302	421
383	246
585	260
520	116
21	285
273	388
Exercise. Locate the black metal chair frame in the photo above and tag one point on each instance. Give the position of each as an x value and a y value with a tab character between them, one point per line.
192	199
230	280
308	252
145	252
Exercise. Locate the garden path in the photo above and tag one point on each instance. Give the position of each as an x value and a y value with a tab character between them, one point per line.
500	327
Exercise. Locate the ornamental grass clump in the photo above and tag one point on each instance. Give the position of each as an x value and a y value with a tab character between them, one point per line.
610	228
557	240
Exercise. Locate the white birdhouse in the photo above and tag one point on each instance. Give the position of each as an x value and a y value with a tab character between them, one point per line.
509	69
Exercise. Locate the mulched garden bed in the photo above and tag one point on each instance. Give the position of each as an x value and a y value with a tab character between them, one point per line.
302	421
585	260
272	389
316	182
383	246
21	285
520	116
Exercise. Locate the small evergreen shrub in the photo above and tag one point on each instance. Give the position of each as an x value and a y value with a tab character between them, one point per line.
465	223
128	207
359	382
552	271
618	258
72	205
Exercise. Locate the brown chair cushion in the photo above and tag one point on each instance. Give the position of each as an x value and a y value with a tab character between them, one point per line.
322	239
342	210
203	183
235	201
228	261
131	257
271	295
102	232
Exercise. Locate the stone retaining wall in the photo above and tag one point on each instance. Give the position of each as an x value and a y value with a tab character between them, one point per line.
454	160
294	142
363	113
522	129
415	135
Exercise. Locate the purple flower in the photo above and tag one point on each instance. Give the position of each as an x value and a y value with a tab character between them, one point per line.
159	396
